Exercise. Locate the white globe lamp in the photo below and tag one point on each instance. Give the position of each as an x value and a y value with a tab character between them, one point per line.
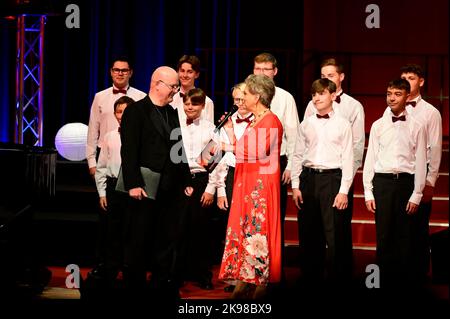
70	141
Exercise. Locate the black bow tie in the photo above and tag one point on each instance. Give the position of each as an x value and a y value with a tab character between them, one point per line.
115	91
247	119
412	103
182	95
326	116
338	98
398	118
189	121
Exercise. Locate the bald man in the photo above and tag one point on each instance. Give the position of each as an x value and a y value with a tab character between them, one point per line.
152	232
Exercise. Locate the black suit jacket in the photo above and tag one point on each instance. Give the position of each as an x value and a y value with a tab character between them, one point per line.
146	142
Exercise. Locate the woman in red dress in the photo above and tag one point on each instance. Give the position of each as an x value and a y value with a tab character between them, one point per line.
252	254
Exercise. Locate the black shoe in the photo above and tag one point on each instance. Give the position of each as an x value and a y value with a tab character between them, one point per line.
206	285
229	288
98	271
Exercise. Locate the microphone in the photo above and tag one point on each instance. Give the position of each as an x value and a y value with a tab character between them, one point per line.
225	119
210	156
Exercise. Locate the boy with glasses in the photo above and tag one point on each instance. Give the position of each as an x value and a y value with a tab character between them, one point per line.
284	107
102	121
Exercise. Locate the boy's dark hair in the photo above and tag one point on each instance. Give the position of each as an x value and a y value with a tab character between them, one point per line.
123	100
192	60
413	68
400	84
266	57
197	96
320	85
335	63
122	58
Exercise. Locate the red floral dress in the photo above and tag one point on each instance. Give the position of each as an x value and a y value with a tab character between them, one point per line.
253	239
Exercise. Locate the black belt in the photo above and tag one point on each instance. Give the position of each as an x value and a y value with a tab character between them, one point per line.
198	174
321	171
394	175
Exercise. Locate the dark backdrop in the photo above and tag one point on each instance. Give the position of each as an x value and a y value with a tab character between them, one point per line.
225	34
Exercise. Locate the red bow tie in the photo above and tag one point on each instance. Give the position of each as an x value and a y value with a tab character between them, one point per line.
247	119
123	91
338	98
398	118
189	121
412	103
326	116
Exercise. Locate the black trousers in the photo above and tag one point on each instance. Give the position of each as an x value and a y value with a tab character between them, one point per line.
151	239
115	230
398	233
324	231
195	250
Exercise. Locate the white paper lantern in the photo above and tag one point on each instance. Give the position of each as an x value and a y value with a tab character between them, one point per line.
70	141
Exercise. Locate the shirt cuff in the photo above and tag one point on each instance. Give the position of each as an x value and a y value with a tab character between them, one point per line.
415	198
344	188
288	166
221	192
431	181
101	193
368	195
210	189
295	182
92	162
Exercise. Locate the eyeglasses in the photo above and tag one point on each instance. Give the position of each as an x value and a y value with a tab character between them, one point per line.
238	100
173	87
262	69
116	70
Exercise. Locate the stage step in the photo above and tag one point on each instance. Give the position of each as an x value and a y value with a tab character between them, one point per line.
363	232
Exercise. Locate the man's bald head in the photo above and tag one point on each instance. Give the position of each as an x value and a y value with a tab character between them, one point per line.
163	86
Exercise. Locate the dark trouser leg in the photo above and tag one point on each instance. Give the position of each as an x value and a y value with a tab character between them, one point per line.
312	240
115	232
141	217
337	230
198	237
393	229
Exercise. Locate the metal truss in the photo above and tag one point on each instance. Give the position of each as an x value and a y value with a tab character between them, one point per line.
29	79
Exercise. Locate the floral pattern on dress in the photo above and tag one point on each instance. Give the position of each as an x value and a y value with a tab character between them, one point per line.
251	263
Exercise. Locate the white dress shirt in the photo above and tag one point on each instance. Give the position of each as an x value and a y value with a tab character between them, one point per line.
229	159
398	147
324	144
102	120
195	137
431	120
207	112
353	111
109	161
284	107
